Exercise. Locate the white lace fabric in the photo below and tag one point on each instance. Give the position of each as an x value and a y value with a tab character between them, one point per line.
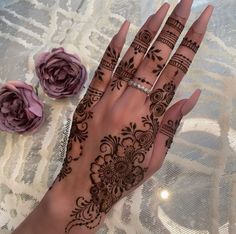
195	190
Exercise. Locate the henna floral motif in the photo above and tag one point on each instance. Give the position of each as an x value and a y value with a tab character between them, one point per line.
161	98
124	72
169	130
119	166
153	54
158	69
109	63
142	41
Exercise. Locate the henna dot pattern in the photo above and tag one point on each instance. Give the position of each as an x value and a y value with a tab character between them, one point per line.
180	61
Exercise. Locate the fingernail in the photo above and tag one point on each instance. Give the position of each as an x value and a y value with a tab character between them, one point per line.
200	25
158	17
190	103
122	33
183	8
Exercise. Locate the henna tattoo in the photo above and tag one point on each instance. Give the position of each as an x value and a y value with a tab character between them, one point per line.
107	64
142	41
66	168
169	130
161	98
190	44
142	80
176	24
153	54
119	166
116	170
168	38
124	72
158	69
99	73
79	129
181	62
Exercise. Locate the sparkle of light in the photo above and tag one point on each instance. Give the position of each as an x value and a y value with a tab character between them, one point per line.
164	194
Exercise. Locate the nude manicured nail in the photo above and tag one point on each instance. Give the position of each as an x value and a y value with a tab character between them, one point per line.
183	8
191	102
122	33
158	16
200	24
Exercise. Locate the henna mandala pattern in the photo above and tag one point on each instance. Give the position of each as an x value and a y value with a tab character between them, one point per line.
177	25
142	41
118	168
181	62
153	54
169	130
190	44
168	38
124	72
161	98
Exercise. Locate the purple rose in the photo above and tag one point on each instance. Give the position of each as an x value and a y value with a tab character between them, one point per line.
60	74
20	108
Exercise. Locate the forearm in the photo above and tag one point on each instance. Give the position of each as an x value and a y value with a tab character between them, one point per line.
51	216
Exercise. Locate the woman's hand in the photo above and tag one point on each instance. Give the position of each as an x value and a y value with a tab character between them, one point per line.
123	128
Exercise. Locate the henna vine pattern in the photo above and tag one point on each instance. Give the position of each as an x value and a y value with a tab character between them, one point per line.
169	130
79	129
190	44
168	38
118	168
124	72
181	62
142	41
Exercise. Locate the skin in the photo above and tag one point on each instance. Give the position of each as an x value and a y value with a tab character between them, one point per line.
120	135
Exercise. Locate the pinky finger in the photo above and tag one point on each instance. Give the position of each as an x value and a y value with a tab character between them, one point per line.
168	127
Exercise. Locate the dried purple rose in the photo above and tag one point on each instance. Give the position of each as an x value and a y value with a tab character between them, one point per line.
20	108
60	74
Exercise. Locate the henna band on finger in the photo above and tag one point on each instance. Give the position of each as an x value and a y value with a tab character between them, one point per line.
169	130
177	25
168	38
190	44
181	62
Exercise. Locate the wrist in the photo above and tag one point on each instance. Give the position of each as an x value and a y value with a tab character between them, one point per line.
53	214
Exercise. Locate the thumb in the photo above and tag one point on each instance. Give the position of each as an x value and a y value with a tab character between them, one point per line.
168	127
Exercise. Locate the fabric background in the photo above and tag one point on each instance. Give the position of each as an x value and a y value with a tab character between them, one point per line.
200	170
